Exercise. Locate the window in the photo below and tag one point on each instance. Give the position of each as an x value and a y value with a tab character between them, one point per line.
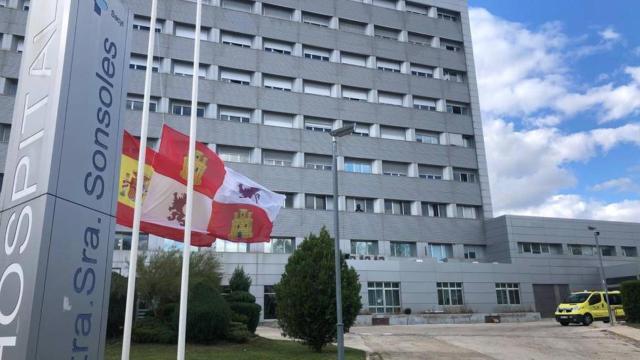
390	168
234	114
19	43
144	23
189	31
465	175
317	124
419	39
278	47
629	251
427	137
386	33
389	4
318	202
183	108
457	108
388	65
534	248
236	39
467	141
185	68
397	207
430	172
5	131
608	250
403	249
362	247
239	5
424	103
280	246
384	297
364	205
360	128
508	293
230	246
136	103
422	71
123	241
10	85
234	76
353	59
473	252
277	119
316	53
450	45
277	158
316	88
417	8
447	15
392	132
467	212
452	75
353	26
450	293
26	4
234	153
269	302
390	98
316	19
139	62
434	209
318	162
361	166
288	200
277	82
277	12
353	93
441	252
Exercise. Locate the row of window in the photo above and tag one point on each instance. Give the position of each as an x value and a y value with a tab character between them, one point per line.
311	123
415	8
20	4
288	84
575	249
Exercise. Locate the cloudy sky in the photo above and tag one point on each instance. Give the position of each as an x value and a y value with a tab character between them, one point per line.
559	86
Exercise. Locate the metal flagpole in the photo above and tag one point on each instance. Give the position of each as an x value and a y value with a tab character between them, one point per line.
186	250
137	212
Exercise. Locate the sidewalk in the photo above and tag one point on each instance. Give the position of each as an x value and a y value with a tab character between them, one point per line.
620	329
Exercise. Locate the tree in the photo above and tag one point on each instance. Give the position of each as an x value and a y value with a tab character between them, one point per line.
306	295
631	300
117	305
242	302
239	281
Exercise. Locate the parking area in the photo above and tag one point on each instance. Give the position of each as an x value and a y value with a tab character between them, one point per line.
535	340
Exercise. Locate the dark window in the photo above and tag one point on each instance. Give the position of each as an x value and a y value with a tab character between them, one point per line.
269	302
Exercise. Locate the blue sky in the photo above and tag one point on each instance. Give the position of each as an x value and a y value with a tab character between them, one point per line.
559	86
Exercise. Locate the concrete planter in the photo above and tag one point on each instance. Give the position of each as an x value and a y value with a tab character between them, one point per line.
474	318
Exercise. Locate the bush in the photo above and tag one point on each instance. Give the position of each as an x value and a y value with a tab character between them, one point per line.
631	300
152	330
238	333
117	305
250	311
242	302
240	296
239	280
306	294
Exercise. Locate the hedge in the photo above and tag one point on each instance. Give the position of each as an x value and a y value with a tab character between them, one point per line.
631	300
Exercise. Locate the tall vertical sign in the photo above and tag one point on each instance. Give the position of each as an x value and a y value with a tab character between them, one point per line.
58	200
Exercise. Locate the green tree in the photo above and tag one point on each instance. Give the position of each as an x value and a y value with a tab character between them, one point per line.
306	295
631	300
117	305
239	280
242	302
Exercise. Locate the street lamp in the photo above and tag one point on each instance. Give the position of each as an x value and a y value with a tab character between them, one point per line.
602	275
343	131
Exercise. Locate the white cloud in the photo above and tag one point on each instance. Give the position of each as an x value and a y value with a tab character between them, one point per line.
575	206
609	34
623	184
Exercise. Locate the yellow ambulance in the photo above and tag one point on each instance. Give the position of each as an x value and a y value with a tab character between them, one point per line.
586	306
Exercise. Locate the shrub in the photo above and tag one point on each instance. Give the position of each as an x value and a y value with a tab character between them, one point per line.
306	293
631	300
249	311
239	281
242	302
238	333
152	330
241	296
117	305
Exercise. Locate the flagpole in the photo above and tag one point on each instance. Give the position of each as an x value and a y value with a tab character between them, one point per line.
186	250
137	212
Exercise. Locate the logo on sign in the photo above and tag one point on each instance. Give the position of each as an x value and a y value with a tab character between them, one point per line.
99	6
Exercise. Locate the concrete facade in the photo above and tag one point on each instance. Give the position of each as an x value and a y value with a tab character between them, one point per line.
316	44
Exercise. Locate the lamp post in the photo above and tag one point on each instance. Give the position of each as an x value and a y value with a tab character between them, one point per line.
335	134
603	278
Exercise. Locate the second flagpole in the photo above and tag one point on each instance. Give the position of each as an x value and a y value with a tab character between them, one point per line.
186	250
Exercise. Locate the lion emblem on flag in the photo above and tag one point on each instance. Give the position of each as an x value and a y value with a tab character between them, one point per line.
176	210
249	192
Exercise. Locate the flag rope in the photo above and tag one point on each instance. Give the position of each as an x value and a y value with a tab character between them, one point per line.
186	250
137	213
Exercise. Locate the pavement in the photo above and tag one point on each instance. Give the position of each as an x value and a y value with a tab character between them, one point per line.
533	340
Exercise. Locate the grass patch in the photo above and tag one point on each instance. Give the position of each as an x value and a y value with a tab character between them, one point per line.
633	325
257	348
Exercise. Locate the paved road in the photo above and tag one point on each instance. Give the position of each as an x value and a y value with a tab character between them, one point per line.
536	340
521	341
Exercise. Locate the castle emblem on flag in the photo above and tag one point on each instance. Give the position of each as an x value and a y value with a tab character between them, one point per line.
176	210
242	225
249	192
129	183
200	168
